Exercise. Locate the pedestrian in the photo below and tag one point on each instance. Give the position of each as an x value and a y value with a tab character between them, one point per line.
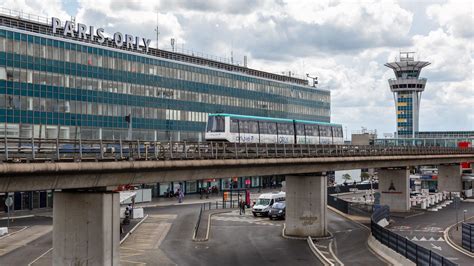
242	205
208	191
130	210
202	192
126	220
180	196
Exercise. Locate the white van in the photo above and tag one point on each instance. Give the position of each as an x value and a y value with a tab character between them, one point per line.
265	202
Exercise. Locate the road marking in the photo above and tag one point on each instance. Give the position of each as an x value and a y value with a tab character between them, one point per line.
31	263
436	247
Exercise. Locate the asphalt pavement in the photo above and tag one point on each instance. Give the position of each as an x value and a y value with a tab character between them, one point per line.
350	241
427	230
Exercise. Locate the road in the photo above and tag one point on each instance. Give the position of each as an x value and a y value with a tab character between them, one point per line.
32	250
234	240
427	230
350	241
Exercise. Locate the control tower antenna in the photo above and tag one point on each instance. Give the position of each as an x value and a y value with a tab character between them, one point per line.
157	30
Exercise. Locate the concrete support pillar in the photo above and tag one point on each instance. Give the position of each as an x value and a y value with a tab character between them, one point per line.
449	178
394	185
86	228
306	198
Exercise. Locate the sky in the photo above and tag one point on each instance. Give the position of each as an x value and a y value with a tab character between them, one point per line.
344	43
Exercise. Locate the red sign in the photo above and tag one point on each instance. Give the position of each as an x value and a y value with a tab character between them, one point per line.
465	144
247	182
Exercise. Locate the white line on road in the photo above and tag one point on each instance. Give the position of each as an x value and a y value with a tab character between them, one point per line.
31	263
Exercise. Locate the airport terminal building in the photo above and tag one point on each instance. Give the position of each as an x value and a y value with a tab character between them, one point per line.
67	80
73	83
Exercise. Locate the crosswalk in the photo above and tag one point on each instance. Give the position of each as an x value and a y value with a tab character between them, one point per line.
245	218
432	239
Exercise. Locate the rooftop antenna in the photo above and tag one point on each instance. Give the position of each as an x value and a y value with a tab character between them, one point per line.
315	79
172	43
157	29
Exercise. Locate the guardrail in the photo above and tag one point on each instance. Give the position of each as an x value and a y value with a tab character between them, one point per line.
21	149
403	246
468	236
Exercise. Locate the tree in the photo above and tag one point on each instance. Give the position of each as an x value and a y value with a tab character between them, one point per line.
364	176
346	177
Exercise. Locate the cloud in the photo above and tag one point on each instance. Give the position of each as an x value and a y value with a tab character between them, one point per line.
344	43
456	17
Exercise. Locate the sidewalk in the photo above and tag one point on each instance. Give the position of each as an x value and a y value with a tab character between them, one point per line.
196	199
456	235
22	237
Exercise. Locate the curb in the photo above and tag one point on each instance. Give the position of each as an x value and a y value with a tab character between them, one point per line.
318	254
452	244
10	234
208	227
18	217
133	229
389	255
381	255
330	236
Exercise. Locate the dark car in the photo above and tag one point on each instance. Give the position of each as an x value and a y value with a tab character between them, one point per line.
277	211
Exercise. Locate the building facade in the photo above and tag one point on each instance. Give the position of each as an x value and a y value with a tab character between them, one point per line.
61	85
407	88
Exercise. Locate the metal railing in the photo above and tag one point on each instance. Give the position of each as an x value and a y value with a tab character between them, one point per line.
401	244
467	236
31	149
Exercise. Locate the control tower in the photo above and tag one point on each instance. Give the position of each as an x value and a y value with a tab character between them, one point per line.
407	88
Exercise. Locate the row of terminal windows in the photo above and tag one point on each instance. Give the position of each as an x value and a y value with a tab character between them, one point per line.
94	59
68	81
15	102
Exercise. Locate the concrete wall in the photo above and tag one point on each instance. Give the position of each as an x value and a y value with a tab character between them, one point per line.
306	199
449	178
394	186
86	228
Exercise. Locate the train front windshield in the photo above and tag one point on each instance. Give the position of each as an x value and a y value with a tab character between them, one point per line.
215	124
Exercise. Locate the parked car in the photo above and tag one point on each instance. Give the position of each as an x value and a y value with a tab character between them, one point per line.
277	211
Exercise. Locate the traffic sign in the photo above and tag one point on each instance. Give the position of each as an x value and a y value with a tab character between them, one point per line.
9	202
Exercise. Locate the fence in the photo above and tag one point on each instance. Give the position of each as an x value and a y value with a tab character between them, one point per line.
35	149
349	207
400	244
338	204
468	236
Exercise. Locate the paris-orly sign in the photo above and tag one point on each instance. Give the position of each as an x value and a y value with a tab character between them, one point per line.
84	32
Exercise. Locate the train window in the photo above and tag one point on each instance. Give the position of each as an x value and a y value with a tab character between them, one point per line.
300	129
234	126
272	129
281	129
244	126
285	129
325	131
291	129
215	124
308	130
263	127
253	127
315	130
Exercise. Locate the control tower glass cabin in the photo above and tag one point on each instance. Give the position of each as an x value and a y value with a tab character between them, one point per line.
407	88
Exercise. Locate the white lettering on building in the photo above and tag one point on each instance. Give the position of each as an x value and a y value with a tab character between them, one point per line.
89	33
